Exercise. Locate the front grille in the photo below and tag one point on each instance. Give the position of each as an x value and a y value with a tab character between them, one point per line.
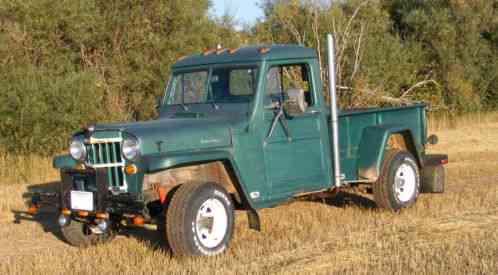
106	154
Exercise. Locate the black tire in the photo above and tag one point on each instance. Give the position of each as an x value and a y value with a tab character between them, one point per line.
385	194
181	219
78	234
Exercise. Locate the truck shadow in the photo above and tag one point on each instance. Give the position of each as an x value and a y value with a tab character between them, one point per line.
46	216
346	199
47	219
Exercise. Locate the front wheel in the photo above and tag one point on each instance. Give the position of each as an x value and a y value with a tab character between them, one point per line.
199	220
399	183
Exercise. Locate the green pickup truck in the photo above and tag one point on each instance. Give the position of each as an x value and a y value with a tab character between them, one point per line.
238	129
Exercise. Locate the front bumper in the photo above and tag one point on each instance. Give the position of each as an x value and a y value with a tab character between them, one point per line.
95	181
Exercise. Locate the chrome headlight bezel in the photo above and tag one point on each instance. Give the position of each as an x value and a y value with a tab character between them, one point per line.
77	149
130	148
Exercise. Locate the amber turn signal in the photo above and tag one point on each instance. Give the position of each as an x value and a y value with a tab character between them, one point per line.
102	215
138	220
83	213
66	212
131	169
33	209
79	166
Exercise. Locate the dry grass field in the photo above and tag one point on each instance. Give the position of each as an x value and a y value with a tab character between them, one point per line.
451	233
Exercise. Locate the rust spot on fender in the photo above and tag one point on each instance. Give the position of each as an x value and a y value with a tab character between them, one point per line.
168	179
369	173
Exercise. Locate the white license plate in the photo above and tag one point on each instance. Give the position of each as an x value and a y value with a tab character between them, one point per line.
82	200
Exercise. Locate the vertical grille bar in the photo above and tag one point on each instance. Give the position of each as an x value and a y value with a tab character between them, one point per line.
93	154
107	152
101	158
108	160
114	158
107	155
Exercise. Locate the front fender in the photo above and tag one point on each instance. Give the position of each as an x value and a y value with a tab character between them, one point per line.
373	144
64	162
158	162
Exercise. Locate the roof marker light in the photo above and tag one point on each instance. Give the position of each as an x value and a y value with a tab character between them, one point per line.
220	51
232	51
208	51
264	50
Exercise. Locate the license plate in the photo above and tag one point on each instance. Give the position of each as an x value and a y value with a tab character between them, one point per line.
82	200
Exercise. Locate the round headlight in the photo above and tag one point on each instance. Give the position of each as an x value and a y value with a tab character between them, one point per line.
77	150
130	148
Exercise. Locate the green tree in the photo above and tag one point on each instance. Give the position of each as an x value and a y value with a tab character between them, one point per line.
66	63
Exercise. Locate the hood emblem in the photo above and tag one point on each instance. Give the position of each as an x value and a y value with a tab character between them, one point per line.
208	141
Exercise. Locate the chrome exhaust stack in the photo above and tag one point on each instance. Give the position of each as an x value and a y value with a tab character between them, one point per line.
333	111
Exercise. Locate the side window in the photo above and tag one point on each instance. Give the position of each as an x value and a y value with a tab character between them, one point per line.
274	82
242	82
284	78
189	88
194	87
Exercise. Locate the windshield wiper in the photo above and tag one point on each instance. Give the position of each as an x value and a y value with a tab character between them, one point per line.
184	107
214	105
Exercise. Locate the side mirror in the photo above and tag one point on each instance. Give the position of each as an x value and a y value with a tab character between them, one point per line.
295	102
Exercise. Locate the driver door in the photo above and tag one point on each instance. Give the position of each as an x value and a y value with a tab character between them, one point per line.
294	158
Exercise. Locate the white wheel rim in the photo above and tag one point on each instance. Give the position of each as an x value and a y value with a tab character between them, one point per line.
405	182
211	223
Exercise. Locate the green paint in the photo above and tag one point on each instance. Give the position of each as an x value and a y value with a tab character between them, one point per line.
236	132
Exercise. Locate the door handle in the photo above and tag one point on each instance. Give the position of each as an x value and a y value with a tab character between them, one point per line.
314	112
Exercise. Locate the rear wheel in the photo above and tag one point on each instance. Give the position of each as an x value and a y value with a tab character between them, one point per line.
399	183
199	220
79	234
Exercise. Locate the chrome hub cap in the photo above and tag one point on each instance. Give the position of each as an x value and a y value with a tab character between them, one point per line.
211	223
405	183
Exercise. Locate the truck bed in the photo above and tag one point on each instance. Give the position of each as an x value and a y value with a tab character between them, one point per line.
352	123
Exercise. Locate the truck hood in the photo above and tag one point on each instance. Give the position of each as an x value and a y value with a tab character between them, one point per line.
170	135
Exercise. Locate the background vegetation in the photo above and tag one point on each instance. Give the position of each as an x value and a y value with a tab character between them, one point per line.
66	63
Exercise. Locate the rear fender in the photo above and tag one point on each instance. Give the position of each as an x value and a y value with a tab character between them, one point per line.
374	141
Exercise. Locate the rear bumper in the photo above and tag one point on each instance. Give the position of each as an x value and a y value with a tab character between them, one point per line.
435	160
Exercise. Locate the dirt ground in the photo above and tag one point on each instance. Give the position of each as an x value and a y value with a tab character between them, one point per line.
451	233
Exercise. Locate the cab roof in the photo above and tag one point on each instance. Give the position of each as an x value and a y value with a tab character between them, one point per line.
253	53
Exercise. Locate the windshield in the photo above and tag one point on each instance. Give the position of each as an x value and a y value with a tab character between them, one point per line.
220	85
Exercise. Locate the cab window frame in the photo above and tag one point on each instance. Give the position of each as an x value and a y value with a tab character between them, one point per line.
304	64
